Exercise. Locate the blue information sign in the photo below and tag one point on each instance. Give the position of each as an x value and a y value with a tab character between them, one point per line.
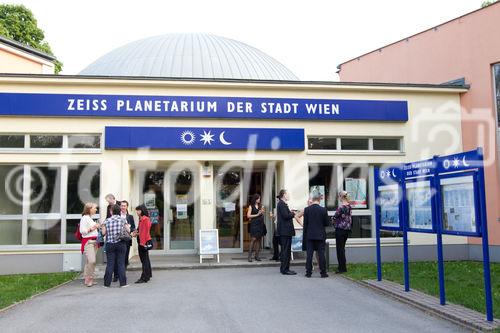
69	105
204	138
442	195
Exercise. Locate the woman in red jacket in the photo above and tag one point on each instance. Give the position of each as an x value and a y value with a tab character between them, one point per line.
144	241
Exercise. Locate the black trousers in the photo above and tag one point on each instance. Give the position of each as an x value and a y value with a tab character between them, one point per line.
115	272
276	248
341	236
286	250
115	255
319	247
146	264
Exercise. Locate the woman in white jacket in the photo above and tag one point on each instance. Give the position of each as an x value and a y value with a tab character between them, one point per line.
88	229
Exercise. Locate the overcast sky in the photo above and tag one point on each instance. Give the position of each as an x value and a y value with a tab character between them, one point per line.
309	37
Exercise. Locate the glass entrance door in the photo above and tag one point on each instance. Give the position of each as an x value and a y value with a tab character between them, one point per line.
180	204
151	185
170	197
228	210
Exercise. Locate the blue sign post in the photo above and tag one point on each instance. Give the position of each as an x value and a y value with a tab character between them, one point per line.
442	195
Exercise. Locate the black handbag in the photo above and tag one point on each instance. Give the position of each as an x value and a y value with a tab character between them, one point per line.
124	234
149	245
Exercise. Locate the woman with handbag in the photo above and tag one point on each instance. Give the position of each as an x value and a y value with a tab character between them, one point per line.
88	230
117	233
342	220
145	242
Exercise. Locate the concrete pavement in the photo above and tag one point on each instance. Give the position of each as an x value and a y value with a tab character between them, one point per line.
221	300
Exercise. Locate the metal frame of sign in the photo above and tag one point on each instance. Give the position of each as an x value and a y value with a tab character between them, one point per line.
440	169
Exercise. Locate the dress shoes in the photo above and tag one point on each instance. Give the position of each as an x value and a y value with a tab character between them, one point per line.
307	275
289	273
140	281
324	275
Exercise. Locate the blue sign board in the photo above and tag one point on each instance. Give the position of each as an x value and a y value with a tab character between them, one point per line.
442	195
204	138
69	105
388	203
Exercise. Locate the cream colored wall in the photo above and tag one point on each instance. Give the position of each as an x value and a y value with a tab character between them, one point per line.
429	110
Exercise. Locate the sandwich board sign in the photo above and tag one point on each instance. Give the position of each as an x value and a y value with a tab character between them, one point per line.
209	244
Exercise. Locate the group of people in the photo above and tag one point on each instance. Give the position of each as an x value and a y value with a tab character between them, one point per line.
118	229
119	223
315	220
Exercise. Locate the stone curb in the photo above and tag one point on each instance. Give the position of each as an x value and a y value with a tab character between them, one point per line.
429	310
37	295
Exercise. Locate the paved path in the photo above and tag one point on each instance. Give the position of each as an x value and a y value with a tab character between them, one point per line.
219	300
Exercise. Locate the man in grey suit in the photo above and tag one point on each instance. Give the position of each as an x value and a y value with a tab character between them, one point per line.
315	220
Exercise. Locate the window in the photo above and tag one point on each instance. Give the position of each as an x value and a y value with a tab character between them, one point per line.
11	141
51	142
84	141
46	141
11	193
55	199
496	87
45	190
327	179
386	144
359	145
353	144
322	143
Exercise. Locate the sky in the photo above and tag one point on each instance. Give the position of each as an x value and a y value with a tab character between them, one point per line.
309	37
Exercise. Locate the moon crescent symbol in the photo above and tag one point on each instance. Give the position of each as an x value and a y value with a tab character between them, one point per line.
222	140
393	174
464	162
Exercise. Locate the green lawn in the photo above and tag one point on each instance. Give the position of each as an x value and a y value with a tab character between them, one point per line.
463	280
15	288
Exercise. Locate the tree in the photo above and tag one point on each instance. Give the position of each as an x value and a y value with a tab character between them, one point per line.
487	3
18	23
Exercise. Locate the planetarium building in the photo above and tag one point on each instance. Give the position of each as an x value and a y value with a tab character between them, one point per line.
192	125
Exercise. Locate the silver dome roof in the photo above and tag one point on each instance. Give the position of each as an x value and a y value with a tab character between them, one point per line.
189	56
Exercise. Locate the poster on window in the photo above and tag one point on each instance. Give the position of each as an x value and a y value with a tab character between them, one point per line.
318	189
459	211
419	197
154	215
150	200
356	187
181	211
388	200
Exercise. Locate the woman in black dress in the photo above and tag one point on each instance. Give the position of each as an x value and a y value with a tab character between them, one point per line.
255	214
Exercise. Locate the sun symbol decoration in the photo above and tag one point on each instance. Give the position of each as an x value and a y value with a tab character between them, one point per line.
188	137
207	137
456	163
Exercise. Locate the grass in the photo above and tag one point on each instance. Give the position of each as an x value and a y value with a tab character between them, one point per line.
463	280
15	288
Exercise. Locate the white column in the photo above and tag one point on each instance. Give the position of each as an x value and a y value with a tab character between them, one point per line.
207	197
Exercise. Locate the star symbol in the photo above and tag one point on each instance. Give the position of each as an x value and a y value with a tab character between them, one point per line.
207	137
456	163
388	173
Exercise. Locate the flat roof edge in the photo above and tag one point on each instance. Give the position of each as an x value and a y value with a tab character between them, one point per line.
26	48
222	80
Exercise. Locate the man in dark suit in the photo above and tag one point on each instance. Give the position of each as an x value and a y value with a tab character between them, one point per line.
286	231
315	220
110	198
